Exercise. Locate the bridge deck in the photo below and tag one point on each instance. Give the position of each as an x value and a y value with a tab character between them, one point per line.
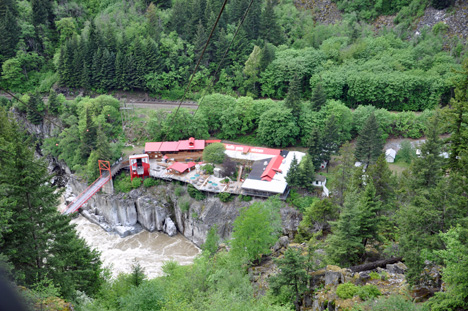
85	195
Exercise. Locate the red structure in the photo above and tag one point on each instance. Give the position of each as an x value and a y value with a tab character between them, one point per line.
139	166
105	175
179	167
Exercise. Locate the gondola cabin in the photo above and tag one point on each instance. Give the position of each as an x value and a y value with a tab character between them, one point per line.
139	165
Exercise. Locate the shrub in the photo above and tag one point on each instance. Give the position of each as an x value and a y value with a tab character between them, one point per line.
208	168
178	191
225	197
346	290
214	153
185	206
150	182
195	193
245	198
369	291
136	182
374	275
122	183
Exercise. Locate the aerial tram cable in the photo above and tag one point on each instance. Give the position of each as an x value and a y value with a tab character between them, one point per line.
213	77
198	64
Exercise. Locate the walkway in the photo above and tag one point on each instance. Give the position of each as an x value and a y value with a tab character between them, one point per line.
86	195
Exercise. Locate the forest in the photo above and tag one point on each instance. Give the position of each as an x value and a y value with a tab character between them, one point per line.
277	78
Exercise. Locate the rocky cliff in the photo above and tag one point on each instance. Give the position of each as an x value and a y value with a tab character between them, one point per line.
164	209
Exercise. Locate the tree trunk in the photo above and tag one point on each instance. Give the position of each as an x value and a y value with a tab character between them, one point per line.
375	264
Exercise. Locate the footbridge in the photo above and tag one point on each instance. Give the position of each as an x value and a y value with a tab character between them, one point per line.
106	172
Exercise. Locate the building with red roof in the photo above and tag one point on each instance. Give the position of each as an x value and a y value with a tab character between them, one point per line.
179	167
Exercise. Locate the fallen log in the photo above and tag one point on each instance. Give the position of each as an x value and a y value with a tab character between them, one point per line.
375	264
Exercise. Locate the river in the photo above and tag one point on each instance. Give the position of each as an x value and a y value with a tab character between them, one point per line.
149	249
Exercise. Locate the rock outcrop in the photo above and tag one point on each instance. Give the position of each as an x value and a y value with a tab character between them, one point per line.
162	208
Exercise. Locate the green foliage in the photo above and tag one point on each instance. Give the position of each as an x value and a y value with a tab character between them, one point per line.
406	152
374	275
137	275
347	290
178	191
455	258
122	183
136	182
39	242
208	169
195	193
225	197
319	98
210	247
150	182
245	198
369	143
185	206
214	153
256	229
277	128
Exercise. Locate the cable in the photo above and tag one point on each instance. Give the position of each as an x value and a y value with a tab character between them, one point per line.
197	65
224	56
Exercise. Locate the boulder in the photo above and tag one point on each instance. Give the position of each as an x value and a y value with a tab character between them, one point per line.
281	243
397	268
169	227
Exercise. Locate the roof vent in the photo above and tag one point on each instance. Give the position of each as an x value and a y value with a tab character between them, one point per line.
265	163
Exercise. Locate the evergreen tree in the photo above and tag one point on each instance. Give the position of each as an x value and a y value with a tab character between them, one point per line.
54	104
315	148
88	137
9	29
267	56
120	70
306	173
35	109
252	20
199	40
369	207
85	78
108	70
269	29
40	242
344	173
96	68
293	99
384	181
103	148
42	12
319	98
330	139
369	143
345	244
210	247
292	178
293	276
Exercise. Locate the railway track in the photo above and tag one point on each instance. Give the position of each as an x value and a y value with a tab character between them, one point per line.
138	103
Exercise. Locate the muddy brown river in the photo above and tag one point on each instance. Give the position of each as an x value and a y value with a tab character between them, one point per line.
149	249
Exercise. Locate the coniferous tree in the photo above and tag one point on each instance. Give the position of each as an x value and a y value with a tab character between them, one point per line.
345	244
88	137
120	70
35	109
103	149
306	173
53	103
269	28
293	99
292	275
40	243
383	181
319	98
369	142
330	139
96	68
267	56
41	12
9	29
252	20
369	208
199	39
345	172
315	148
292	178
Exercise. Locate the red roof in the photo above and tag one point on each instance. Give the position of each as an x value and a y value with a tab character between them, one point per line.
272	168
181	167
169	146
197	144
246	149
152	147
212	141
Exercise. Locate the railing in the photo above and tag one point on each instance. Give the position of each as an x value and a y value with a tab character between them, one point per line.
86	195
